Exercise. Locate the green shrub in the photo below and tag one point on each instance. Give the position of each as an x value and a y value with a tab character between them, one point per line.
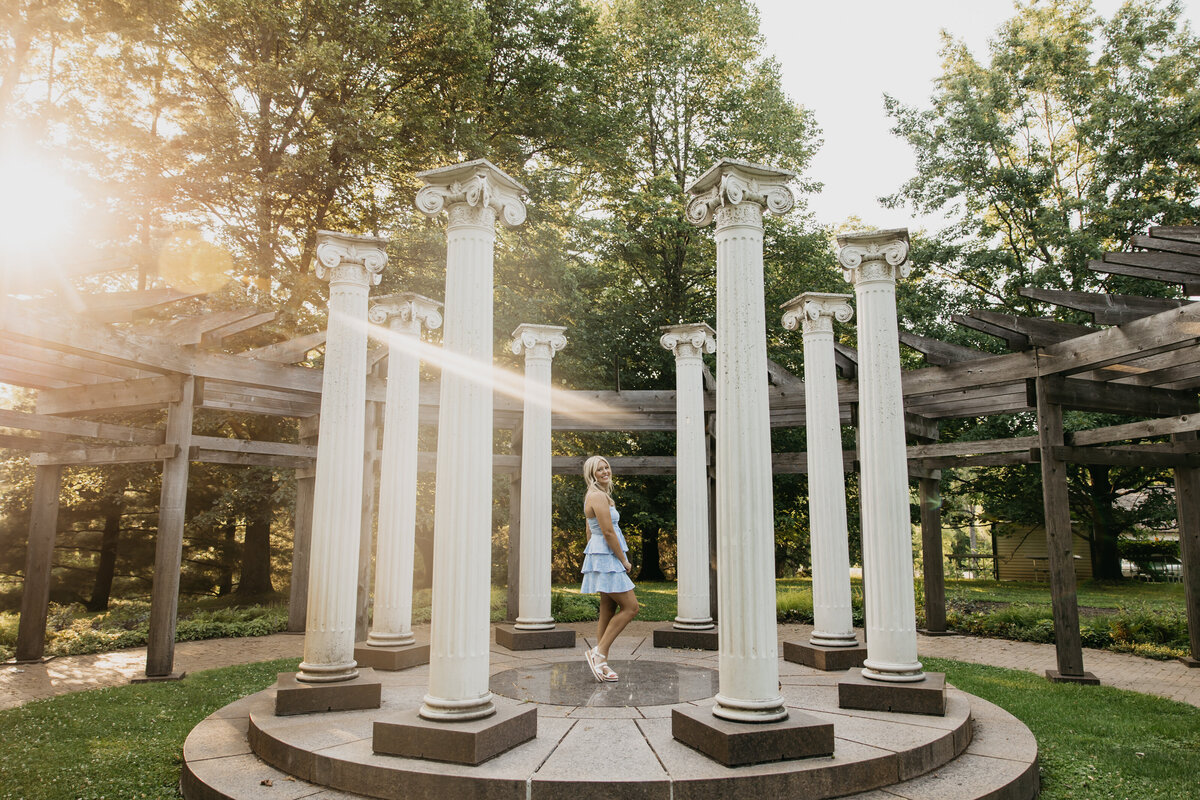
1139	550
574	607
794	606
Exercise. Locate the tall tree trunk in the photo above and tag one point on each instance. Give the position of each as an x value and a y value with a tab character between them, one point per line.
1106	560
425	546
225	581
256	554
106	567
651	569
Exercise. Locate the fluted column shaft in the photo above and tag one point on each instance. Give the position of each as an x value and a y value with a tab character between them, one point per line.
459	634
749	669
391	621
833	616
734	193
539	343
473	194
349	262
689	342
872	262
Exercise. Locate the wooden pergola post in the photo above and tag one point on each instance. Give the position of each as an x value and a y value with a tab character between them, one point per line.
168	548
931	554
35	597
1187	501
302	516
1057	509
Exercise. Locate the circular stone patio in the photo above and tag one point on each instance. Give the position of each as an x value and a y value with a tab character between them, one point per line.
611	741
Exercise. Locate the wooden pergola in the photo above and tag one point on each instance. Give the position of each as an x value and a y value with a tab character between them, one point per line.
106	358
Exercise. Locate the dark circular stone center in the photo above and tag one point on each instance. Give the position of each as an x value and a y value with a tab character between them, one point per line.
642	683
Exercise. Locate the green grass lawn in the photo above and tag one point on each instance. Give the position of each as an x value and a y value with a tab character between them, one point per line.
125	742
1091	594
1142	618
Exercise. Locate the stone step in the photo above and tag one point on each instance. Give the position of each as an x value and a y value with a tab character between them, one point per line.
999	763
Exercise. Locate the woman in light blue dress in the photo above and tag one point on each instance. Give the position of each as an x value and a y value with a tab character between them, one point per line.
605	565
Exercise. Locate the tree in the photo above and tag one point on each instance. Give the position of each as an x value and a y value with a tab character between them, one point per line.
1076	134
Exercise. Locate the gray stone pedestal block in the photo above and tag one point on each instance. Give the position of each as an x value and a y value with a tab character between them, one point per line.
736	744
294	697
471	742
671	636
1087	678
170	676
826	659
518	639
921	697
1191	663
391	659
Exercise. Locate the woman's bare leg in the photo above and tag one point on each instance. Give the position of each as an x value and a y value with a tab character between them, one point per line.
612	628
607	609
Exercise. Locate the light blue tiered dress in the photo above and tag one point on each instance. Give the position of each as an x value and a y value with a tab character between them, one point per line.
602	571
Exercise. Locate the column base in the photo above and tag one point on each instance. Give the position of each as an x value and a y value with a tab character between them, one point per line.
826	659
736	744
1191	663
670	636
295	697
391	659
514	638
1087	678
927	632
922	697
170	676
471	742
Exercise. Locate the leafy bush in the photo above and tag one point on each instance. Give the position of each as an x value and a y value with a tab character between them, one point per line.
72	631
1139	550
1152	633
572	607
794	606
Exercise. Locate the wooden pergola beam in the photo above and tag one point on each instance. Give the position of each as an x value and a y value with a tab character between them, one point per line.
1106	309
1135	430
938	352
1037	331
127	306
115	454
1116	398
288	352
93	366
1183	233
135	395
20	420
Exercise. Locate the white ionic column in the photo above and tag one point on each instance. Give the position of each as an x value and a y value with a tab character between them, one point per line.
832	613
735	194
872	262
539	343
351	264
474	194
404	315
689	343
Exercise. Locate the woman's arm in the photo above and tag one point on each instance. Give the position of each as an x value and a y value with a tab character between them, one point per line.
597	506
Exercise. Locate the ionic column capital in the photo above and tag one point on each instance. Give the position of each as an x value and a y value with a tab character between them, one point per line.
406	311
350	258
740	191
478	185
689	341
538	341
816	311
880	255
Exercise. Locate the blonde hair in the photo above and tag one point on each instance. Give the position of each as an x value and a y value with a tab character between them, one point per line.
589	476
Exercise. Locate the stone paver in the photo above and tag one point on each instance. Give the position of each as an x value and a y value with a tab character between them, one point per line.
21	683
1171	679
